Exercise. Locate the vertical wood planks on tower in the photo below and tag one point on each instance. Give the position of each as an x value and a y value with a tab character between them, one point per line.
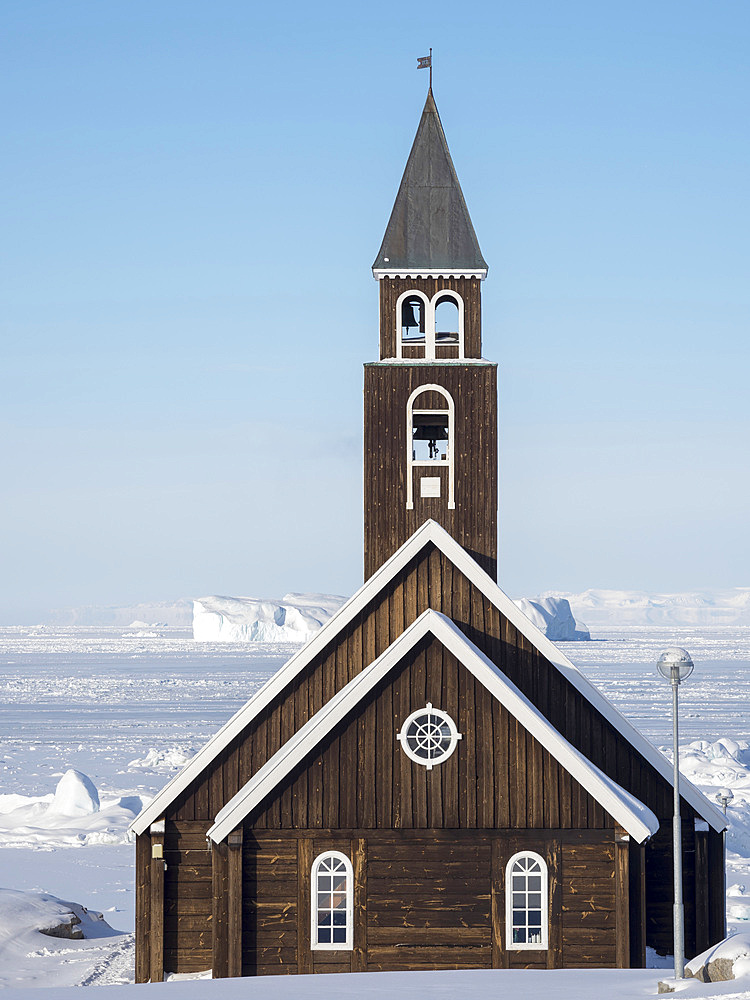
156	903
234	903
622	897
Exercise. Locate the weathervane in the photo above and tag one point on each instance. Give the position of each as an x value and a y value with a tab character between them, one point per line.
425	62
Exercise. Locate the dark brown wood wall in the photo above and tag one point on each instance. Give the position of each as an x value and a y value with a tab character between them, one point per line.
498	776
431	580
470	290
388	523
428	900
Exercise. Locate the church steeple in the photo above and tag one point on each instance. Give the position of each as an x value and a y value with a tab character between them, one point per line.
430	228
431	399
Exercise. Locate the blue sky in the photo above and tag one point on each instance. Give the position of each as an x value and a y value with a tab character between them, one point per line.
194	194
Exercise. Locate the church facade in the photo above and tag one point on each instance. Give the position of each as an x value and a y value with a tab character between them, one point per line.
429	783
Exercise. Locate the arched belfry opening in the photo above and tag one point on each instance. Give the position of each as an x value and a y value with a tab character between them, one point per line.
430	445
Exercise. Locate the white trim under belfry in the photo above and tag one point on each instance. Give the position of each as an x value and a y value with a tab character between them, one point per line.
429	272
428	533
624	808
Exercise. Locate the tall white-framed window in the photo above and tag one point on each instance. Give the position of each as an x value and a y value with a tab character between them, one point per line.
331	903
430	443
526	903
425	323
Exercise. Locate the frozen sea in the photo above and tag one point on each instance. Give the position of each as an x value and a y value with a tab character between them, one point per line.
125	707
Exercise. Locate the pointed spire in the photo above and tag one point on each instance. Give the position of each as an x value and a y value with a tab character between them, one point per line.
430	228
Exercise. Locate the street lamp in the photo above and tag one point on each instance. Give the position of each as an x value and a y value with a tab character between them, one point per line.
675	665
724	796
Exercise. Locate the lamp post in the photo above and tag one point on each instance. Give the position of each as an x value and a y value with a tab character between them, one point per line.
675	665
724	796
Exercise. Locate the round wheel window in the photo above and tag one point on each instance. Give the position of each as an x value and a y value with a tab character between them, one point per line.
428	736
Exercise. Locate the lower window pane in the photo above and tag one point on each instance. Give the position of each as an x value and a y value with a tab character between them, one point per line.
324	935
339	935
519	935
535	918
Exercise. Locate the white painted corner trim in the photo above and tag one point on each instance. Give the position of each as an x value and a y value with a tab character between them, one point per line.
625	809
428	533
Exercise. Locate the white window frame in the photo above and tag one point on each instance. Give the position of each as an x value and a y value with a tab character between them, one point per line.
449	293
430	305
429	324
316	945
543	945
455	736
432	463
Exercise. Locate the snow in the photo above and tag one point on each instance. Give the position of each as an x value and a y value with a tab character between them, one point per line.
295	618
45	940
128	712
553	617
636	607
72	816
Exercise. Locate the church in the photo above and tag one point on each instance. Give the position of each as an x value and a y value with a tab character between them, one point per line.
429	783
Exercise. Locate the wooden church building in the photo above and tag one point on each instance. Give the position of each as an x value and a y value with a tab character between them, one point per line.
429	783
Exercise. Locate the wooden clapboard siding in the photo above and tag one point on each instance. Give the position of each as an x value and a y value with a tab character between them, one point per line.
143	908
428	899
470	290
188	892
427	674
269	907
473	523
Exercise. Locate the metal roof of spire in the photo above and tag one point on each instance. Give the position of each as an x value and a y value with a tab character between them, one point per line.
430	228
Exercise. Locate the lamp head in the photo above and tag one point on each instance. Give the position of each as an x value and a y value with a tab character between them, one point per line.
675	664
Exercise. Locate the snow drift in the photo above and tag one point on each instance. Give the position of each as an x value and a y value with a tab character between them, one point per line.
295	618
71	817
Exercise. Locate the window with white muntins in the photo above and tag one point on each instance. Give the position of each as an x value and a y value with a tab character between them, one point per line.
428	736
526	902
331	907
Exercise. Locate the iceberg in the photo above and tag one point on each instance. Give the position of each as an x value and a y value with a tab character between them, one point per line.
553	617
293	618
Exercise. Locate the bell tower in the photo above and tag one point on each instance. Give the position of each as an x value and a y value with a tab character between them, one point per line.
431	400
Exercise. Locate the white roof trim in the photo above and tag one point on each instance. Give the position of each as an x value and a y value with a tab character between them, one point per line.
632	815
430	272
429	532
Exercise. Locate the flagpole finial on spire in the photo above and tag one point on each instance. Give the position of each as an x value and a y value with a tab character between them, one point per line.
425	62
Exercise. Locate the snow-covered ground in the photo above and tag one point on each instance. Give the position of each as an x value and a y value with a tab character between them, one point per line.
127	709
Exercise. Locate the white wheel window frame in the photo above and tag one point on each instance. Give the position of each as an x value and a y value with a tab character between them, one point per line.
429	763
542	945
316	945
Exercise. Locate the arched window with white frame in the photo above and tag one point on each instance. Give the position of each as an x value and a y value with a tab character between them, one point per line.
414	325
448	314
331	903
526	902
430	444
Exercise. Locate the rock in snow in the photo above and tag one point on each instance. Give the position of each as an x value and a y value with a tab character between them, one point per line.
553	617
295	618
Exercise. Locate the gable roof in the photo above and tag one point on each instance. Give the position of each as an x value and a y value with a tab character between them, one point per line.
636	818
428	533
430	228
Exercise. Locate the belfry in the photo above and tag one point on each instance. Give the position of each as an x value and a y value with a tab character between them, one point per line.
431	399
429	782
